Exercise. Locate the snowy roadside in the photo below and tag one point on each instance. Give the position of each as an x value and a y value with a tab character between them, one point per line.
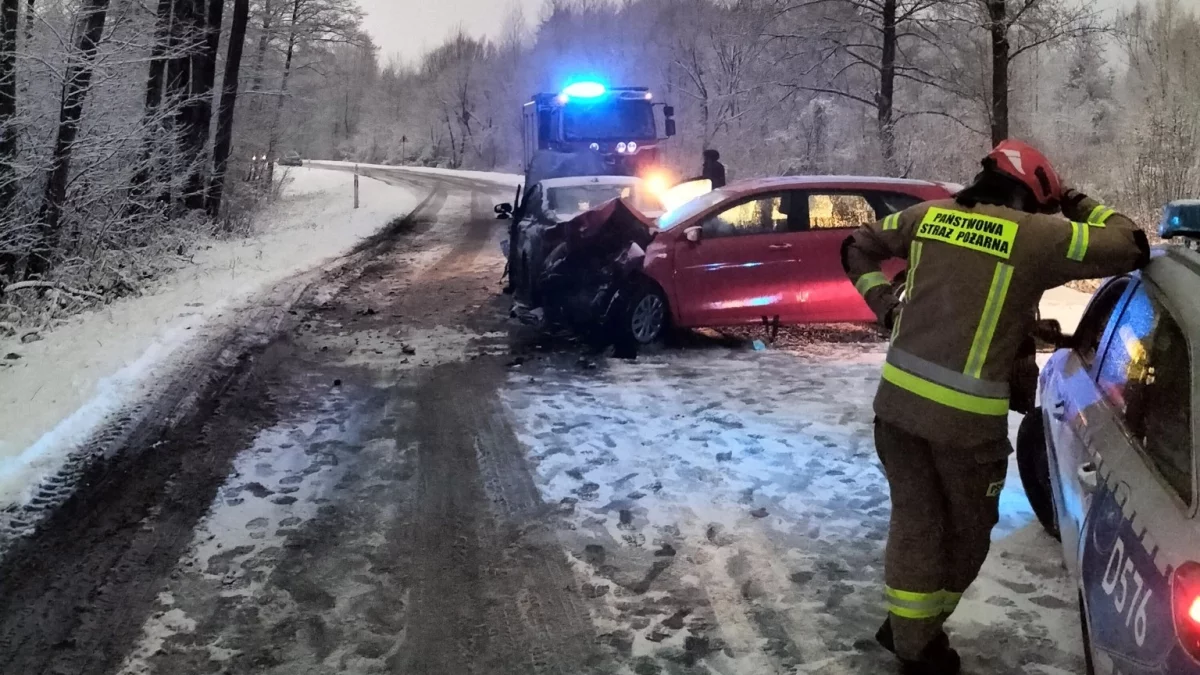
63	387
731	503
506	179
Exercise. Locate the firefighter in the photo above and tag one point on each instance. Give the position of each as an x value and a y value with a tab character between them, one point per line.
977	267
713	169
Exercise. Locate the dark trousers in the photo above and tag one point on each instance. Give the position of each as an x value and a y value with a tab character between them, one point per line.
945	502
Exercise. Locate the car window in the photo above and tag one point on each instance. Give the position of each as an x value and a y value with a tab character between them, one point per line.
690	209
1095	320
1126	360
887	203
765	214
1146	375
828	211
575	199
1165	422
532	206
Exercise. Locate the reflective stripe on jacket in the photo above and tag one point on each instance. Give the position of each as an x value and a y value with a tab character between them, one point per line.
975	278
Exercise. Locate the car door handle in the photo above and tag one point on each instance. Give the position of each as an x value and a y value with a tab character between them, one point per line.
1059	412
779	247
1089	477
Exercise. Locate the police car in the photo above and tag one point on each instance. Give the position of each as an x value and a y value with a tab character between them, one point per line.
1109	461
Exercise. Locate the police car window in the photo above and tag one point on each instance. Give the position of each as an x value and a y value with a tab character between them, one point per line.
1095	320
763	215
1124	367
1165	423
829	211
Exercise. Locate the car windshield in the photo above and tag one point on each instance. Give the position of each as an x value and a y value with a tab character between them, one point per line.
574	199
688	210
616	121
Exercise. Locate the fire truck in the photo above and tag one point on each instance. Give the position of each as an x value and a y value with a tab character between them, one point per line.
618	123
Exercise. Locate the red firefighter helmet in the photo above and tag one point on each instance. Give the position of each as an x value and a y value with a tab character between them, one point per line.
1024	163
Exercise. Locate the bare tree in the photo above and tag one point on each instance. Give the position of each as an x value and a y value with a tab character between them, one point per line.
90	30
311	21
1016	28
867	49
8	114
155	83
229	93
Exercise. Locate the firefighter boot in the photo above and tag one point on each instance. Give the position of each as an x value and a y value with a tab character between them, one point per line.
887	639
938	658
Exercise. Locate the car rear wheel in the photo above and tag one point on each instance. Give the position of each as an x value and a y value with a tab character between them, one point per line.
1034	465
647	319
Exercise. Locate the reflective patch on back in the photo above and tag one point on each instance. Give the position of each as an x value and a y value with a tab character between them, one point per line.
995	489
987	234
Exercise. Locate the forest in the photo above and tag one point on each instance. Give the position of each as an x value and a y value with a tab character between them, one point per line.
130	130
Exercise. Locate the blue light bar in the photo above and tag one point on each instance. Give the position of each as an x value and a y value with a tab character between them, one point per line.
1181	219
585	90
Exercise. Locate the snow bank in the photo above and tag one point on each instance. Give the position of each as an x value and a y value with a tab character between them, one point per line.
61	388
1065	305
507	179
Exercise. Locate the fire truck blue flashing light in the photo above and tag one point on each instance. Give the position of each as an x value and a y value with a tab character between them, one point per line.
583	90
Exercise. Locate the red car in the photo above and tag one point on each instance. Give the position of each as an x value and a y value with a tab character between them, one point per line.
766	248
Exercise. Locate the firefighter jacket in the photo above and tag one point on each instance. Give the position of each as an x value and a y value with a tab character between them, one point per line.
975	278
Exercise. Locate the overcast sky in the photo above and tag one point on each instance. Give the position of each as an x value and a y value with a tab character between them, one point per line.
412	27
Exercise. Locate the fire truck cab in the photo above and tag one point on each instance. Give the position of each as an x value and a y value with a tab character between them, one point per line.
617	123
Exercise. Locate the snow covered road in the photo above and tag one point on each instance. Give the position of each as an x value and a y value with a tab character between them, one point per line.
728	506
378	473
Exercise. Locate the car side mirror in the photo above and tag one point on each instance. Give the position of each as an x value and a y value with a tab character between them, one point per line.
1050	332
692	234
670	127
503	211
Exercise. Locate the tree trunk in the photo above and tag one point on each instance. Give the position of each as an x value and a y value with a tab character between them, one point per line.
885	101
273	138
9	20
178	84
155	81
229	92
197	111
264	42
30	17
998	15
79	81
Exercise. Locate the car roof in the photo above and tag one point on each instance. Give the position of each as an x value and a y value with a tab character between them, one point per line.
1176	271
750	185
577	181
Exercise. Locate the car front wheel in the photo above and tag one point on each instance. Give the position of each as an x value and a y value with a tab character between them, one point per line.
648	316
1034	464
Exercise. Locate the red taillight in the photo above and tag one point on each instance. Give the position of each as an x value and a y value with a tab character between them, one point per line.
1185	607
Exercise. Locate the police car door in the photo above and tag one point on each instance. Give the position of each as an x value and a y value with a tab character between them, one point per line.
1144	494
1068	400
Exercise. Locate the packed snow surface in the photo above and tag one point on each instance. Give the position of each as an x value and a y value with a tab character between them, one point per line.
745	488
63	386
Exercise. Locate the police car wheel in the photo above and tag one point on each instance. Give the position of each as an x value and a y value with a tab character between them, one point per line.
1034	465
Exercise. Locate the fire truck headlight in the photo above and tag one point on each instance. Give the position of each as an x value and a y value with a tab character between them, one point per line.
595	146
632	147
657	183
621	147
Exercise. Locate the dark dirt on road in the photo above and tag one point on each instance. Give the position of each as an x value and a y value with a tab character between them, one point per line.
342	496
